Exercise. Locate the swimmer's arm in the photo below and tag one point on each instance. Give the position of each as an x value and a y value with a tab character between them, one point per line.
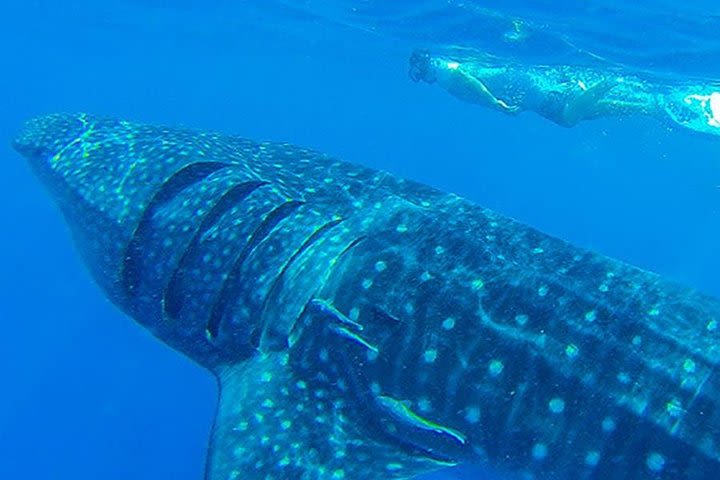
468	88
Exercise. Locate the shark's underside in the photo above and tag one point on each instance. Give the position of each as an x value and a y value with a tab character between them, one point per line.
362	326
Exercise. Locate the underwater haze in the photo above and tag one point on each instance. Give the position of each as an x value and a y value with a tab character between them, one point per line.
88	394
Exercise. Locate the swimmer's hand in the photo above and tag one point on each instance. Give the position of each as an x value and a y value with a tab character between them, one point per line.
505	107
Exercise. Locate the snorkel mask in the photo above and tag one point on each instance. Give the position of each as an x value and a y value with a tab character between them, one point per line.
420	66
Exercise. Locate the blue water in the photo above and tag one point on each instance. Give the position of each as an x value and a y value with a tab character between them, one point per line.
87	394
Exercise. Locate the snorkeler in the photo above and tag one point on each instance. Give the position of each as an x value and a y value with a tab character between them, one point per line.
567	95
453	78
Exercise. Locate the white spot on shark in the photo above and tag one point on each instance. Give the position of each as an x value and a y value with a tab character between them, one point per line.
430	355
424	405
556	405
539	451
472	414
592	458
495	367
655	462
689	365
448	323
608	425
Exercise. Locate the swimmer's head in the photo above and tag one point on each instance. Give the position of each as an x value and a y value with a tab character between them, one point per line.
421	66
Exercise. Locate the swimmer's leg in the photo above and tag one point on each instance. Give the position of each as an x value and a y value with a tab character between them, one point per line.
584	104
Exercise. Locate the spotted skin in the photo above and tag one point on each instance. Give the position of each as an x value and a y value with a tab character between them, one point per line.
364	326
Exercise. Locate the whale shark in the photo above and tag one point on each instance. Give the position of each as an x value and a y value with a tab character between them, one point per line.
364	326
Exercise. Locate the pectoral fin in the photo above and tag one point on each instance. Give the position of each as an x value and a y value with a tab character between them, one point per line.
271	424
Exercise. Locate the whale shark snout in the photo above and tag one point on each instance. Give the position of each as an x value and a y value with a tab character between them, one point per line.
61	149
43	137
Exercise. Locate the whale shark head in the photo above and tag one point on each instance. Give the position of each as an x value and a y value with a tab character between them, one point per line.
129	194
43	137
59	148
103	175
